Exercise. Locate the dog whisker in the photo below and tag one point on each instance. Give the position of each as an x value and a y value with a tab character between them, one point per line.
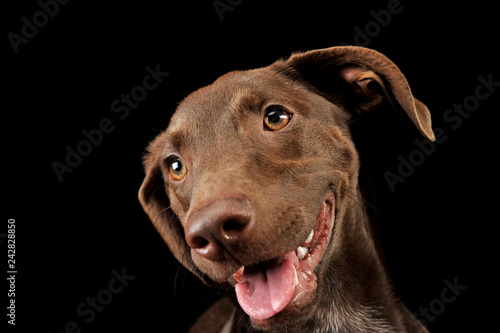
182	267
356	200
254	155
165	209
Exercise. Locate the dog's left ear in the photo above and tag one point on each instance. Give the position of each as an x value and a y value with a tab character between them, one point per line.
359	78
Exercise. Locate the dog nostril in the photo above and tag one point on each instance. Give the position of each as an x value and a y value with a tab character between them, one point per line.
198	243
232	225
206	248
219	227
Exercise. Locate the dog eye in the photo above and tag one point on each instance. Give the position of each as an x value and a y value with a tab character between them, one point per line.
176	168
276	119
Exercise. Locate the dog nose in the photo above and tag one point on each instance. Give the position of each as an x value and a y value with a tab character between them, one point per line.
219	227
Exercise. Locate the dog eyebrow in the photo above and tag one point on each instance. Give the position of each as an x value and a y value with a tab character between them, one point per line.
248	100
176	140
242	104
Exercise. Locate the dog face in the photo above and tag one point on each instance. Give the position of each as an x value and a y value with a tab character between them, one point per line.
249	185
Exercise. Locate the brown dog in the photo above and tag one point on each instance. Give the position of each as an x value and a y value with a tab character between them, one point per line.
254	185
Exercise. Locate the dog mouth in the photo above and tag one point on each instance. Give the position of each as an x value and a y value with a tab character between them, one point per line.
286	283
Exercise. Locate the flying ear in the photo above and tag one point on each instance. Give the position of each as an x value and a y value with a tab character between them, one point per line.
360	78
154	200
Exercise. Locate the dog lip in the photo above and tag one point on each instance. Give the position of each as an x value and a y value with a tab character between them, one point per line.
305	268
307	247
313	240
319	231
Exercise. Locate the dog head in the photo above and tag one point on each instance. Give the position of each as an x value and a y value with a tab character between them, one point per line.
251	183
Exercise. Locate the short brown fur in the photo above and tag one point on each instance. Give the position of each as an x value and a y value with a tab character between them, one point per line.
280	179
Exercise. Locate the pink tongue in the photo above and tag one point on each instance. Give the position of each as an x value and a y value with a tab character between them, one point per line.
266	292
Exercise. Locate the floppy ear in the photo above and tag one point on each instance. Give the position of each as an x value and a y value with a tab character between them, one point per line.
154	200
360	78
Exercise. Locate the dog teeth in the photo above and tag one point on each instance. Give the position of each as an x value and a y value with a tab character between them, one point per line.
302	252
310	237
296	278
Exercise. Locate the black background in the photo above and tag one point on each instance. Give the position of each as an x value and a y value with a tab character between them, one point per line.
438	225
